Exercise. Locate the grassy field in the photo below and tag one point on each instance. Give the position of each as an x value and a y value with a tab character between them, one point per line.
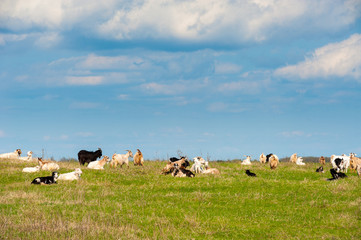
291	202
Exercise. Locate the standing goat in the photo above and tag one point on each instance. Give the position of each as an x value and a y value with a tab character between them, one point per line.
15	154
121	159
99	165
293	158
138	158
262	158
197	167
273	161
87	156
322	160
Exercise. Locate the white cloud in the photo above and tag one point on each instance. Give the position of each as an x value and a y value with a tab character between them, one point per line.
341	59
48	39
227	68
88	80
7	38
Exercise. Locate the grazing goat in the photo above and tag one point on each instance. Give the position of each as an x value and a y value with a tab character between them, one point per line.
320	169
273	161
340	163
28	158
262	158
87	156
71	175
251	174
169	168
31	169
180	171
299	161
46	180
138	158
121	159
293	158
322	160
99	165
197	167
15	154
247	161
210	170
336	175
47	165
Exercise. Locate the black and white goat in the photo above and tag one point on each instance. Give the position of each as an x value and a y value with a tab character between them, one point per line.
336	175
46	180
180	171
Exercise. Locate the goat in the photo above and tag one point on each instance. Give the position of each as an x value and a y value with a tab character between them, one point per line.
138	158
174	159
180	171
31	169
46	180
85	156
322	160
320	169
47	165
197	167
358	169
99	165
169	168
336	175
251	174
210	170
28	158
15	154
71	175
354	161
342	163
247	161
299	161
273	161
262	158
268	157
293	158
121	159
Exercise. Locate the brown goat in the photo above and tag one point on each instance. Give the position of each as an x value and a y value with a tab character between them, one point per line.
354	162
138	158
273	162
322	160
169	168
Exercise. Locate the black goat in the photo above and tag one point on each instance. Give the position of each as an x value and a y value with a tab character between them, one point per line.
320	169
336	175
85	156
46	180
251	174
174	159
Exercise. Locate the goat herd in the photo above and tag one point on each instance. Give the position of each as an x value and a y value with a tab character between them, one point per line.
177	167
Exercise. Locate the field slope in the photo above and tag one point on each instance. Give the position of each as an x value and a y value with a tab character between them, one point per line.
292	202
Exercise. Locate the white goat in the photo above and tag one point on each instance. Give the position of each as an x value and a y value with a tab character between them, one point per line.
197	167
75	175
210	170
28	158
99	165
247	161
299	161
340	162
47	165
15	154
31	169
121	159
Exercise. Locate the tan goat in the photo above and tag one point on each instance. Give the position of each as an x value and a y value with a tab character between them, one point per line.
293	158
322	160
138	158
273	161
262	158
354	162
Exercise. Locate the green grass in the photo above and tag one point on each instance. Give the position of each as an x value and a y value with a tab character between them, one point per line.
291	202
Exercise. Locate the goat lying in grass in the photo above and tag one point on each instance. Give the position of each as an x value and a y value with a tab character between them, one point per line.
46	180
99	165
336	175
75	175
251	174
31	169
299	161
48	165
180	171
320	169
14	155
121	159
209	170
169	168
138	158
197	167
247	161
28	158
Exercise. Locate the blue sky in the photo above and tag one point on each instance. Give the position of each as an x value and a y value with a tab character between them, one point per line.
218	78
